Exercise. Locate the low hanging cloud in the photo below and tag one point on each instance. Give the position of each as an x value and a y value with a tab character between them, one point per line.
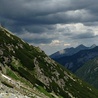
36	38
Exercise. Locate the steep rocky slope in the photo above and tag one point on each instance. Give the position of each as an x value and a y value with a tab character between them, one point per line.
28	70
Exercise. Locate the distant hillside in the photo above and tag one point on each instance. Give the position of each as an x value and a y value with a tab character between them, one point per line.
89	72
77	60
27	70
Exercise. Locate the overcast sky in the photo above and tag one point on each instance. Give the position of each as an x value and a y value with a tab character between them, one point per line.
52	24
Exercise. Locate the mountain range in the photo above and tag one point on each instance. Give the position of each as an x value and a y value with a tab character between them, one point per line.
25	70
70	51
75	61
83	63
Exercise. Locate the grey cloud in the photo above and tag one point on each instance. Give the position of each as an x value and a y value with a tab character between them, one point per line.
42	38
65	31
36	39
85	35
91	24
25	12
39	40
40	28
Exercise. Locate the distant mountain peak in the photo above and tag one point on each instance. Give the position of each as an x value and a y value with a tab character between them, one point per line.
81	46
93	46
68	51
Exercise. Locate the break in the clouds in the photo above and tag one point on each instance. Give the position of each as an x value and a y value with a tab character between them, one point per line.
52	24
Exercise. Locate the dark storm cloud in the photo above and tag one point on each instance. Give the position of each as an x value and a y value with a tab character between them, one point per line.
36	38
44	12
40	16
39	40
40	28
85	35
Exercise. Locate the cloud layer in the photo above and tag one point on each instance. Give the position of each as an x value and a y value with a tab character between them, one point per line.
52	24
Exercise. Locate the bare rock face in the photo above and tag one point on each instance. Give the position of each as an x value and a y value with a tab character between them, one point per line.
6	92
1	52
11	95
40	73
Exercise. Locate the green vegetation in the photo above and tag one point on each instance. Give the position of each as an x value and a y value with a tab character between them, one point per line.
24	58
12	74
45	92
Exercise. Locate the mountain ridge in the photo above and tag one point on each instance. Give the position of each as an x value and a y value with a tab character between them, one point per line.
70	51
74	62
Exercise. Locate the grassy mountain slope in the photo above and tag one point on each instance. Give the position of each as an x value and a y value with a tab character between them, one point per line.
89	72
32	67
